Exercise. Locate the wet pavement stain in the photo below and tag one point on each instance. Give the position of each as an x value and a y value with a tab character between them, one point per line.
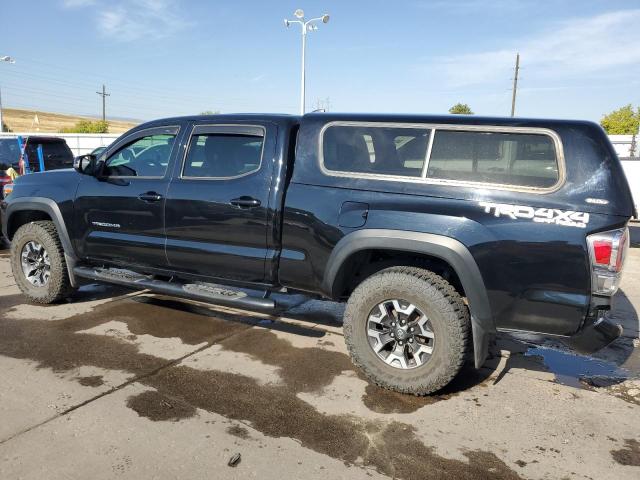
238	431
275	410
385	401
381	400
9	302
392	449
91	381
579	371
303	369
629	455
157	407
167	318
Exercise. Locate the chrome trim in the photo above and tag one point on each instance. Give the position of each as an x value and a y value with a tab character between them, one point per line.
215	125
427	157
437	181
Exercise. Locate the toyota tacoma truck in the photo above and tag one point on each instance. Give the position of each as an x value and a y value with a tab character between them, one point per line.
437	231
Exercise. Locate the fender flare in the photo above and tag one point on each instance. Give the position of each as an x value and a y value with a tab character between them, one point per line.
51	208
445	248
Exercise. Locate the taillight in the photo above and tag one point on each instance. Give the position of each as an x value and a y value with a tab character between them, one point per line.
607	251
4	179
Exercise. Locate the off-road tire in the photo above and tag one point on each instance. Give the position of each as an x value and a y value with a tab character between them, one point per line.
437	299
58	287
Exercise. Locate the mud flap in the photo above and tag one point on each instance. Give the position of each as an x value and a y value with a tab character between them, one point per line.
481	338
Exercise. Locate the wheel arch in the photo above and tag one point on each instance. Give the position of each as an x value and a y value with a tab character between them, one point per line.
28	209
446	249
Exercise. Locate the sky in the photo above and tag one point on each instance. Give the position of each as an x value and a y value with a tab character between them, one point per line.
158	58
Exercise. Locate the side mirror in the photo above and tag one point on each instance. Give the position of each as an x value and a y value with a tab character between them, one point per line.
85	164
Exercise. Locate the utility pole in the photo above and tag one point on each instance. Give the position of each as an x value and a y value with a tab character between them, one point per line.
104	95
515	85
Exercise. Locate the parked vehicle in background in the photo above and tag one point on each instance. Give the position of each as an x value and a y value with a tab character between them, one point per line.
56	154
437	231
98	151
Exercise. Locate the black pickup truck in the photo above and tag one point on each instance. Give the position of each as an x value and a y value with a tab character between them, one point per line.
437	231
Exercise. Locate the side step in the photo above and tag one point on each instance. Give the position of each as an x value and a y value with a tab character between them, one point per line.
203	292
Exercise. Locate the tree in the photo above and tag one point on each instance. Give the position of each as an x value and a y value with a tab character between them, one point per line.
5	127
88	126
210	112
624	121
461	109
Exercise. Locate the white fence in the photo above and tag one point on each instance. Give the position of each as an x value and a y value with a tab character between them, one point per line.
79	143
626	145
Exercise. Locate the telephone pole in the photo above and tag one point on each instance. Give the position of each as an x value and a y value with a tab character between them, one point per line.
515	85
104	95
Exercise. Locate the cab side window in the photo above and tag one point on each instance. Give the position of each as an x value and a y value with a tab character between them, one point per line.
217	155
144	157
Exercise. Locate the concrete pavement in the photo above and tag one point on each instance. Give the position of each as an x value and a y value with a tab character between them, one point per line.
125	384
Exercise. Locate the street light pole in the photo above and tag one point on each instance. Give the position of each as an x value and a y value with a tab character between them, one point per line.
303	76
306	25
10	60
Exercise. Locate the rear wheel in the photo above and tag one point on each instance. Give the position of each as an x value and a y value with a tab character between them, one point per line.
407	329
38	263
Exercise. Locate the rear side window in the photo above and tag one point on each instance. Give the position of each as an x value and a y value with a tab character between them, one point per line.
217	155
376	150
55	153
519	159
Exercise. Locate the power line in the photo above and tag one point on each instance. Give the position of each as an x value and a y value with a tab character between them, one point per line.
104	101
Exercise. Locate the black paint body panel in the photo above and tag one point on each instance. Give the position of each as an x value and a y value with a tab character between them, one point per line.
536	276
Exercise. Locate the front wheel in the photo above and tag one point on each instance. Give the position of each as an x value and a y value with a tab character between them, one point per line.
407	329
38	264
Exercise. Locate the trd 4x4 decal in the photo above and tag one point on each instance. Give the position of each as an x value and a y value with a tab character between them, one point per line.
566	218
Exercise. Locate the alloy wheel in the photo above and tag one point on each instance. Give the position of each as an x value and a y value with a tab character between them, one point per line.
400	334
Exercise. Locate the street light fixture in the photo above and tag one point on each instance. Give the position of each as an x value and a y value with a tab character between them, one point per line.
307	26
7	59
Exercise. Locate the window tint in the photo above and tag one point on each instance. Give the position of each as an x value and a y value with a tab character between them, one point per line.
503	158
9	152
55	153
215	155
377	150
145	157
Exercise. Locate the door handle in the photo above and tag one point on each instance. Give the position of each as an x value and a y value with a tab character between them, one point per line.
245	202
150	197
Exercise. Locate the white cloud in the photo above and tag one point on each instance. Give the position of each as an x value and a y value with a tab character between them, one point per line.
129	20
579	46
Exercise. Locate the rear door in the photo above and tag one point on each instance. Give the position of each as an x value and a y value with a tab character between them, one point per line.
217	203
120	217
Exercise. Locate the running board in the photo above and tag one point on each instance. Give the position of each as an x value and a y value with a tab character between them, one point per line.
203	292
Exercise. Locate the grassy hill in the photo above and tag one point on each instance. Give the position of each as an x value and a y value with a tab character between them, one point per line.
22	121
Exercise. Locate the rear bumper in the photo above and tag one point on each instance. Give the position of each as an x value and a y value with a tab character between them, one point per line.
595	336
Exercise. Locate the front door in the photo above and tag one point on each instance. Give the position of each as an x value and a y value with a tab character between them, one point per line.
217	202
120	214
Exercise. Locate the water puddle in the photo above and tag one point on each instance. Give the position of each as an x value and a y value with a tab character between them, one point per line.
579	371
